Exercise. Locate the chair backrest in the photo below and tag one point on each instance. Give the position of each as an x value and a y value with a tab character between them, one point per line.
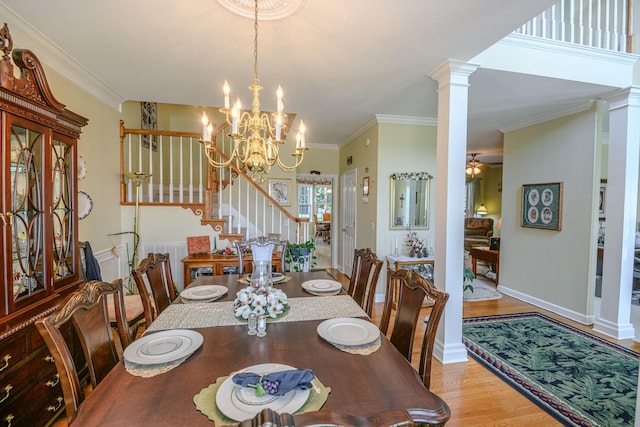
364	278
153	276
260	247
87	309
412	291
396	417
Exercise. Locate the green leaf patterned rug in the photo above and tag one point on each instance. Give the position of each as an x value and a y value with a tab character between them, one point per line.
578	378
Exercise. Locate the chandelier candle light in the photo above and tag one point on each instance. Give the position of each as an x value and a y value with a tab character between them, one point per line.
256	137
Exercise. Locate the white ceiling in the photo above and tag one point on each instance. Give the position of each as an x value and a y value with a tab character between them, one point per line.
340	62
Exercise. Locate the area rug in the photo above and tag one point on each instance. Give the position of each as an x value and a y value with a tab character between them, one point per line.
576	377
482	291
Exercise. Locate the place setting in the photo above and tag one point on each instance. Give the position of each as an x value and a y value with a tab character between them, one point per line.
322	287
203	294
160	352
351	334
244	393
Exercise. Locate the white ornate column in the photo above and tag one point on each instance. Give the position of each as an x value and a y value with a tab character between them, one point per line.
453	90
621	214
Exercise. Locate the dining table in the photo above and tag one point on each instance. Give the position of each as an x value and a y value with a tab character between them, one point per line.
355	384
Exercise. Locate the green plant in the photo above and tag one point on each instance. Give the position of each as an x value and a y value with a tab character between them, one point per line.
296	253
467	278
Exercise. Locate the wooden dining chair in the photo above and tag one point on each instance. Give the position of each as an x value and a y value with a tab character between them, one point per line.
364	278
392	418
133	307
279	246
155	284
87	309
413	289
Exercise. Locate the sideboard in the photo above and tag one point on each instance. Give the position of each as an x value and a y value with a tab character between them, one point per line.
219	264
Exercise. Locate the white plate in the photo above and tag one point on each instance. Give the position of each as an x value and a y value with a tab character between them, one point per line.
319	286
348	331
241	403
85	205
82	168
205	292
275	277
163	347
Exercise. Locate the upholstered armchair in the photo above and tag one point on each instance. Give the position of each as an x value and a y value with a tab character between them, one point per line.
477	232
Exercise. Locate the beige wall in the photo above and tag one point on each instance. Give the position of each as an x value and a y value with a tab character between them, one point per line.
548	152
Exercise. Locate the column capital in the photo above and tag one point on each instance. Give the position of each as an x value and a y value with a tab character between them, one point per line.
629	96
453	71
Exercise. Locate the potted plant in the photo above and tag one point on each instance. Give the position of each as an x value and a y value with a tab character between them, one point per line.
467	278
301	256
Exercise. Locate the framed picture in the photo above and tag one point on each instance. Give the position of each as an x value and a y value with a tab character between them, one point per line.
603	198
542	206
365	186
280	191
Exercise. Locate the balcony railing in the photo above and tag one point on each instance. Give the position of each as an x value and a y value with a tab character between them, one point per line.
603	24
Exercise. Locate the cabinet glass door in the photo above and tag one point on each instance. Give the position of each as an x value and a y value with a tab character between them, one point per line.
27	211
63	206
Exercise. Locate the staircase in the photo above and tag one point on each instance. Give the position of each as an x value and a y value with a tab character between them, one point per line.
227	199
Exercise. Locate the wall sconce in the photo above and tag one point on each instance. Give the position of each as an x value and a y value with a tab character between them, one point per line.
402	201
500	187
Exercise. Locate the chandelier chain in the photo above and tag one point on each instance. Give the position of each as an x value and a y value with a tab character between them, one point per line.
255	46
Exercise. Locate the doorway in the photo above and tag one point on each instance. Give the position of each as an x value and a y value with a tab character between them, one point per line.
315	201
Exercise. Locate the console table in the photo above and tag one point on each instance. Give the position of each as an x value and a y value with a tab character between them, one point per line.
403	261
217	264
487	255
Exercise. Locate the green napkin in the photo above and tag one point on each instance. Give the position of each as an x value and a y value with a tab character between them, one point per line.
205	401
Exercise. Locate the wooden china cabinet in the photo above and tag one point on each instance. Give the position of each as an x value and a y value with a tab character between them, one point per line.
39	238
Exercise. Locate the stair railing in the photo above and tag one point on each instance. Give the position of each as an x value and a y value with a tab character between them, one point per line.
182	176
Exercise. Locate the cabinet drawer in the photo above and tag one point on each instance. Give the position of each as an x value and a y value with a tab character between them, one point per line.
17	382
12	352
44	402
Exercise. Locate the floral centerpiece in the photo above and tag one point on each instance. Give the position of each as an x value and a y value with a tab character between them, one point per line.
250	300
417	246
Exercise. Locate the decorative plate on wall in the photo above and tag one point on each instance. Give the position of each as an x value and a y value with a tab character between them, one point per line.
82	168
85	205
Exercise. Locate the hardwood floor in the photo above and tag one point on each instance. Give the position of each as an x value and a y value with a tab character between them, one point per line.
475	396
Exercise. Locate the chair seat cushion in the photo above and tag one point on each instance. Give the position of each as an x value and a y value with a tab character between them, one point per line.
132	307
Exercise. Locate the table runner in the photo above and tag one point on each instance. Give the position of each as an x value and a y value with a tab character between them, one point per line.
208	315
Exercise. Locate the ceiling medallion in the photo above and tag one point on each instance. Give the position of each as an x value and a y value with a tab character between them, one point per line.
269	9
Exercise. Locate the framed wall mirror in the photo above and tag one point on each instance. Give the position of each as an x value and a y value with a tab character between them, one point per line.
410	200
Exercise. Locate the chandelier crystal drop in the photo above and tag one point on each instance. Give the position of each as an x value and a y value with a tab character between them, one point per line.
256	136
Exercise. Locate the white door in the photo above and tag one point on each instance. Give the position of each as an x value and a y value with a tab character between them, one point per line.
348	220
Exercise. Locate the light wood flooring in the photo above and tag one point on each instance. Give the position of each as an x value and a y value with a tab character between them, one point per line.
475	396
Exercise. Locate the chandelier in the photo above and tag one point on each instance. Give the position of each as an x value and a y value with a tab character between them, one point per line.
473	166
256	136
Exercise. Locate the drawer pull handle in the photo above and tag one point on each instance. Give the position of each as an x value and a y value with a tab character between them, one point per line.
7	391
49	359
8	419
53	383
58	405
6	362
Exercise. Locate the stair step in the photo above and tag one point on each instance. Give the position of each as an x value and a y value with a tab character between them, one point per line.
232	236
218	224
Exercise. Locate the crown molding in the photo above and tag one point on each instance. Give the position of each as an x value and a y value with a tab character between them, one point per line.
26	36
406	120
550	115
